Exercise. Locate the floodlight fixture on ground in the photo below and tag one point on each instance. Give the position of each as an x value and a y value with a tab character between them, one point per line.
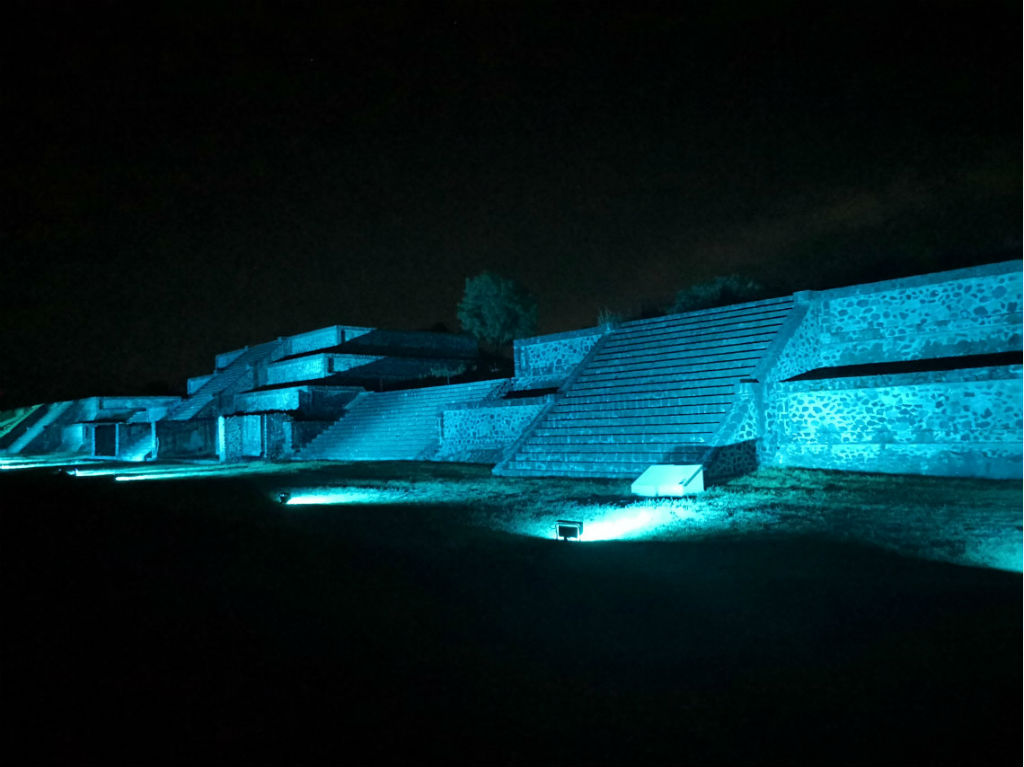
568	530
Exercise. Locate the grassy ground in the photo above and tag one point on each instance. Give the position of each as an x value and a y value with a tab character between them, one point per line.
967	521
204	621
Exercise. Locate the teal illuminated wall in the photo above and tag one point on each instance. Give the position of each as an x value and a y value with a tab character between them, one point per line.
480	432
807	395
546	361
959	421
948	314
950	423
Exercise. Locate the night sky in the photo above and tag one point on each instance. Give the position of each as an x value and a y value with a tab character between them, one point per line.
186	179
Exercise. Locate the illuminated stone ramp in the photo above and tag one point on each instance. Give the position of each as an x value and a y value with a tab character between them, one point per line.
395	425
655	391
235	376
33	426
14	422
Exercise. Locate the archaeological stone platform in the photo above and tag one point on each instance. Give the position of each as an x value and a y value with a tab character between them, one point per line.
917	375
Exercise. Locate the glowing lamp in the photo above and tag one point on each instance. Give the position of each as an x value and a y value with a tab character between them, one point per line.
568	530
670	479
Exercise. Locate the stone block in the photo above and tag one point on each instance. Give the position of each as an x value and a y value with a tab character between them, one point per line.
670	479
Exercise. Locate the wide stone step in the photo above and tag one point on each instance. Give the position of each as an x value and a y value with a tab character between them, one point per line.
629	427
679	394
559	443
704	315
599	419
733	326
740	333
684	350
560	440
733	370
668	369
679	353
650	409
684	369
721	396
658	383
638	447
717	311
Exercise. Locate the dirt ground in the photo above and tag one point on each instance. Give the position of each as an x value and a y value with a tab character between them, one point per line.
784	618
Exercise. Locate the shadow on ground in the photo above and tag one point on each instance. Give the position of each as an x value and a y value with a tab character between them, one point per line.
198	620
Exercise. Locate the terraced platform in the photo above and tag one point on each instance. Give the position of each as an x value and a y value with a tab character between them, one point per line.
652	391
397	425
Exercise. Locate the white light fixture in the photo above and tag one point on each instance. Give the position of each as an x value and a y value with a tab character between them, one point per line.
669	479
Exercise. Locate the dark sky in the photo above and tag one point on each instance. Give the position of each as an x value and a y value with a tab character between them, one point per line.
186	179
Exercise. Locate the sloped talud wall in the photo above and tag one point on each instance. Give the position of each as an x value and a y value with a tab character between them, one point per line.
947	314
956	422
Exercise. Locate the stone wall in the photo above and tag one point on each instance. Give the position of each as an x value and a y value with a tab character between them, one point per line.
187	439
339	363
308	368
74	438
480	433
322	338
734	449
249	437
546	361
947	314
242	437
953	423
958	422
413	343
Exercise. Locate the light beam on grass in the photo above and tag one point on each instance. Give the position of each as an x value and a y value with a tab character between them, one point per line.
335	496
13	464
608	522
184	473
619	527
95	472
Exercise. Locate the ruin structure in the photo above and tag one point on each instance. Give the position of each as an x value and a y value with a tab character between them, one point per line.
916	375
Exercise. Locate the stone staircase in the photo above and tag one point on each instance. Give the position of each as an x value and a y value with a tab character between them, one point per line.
396	425
230	380
653	391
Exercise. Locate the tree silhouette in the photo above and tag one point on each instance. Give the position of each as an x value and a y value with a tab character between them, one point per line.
496	309
720	291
